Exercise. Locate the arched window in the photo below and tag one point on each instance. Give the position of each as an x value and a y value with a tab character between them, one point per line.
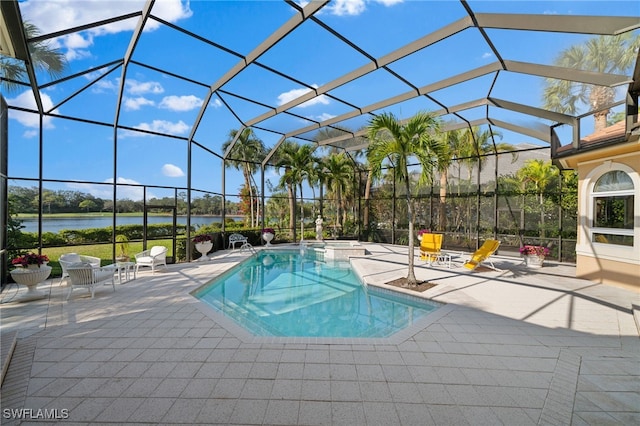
613	209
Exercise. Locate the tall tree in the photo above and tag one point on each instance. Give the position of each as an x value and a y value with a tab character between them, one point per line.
319	176
477	144
537	175
287	180
339	174
297	161
303	164
603	54
366	216
398	142
470	146
246	155
451	147
45	58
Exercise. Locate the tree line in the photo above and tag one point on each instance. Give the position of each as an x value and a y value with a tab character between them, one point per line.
26	200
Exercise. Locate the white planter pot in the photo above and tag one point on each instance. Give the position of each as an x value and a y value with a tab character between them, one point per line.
268	236
203	249
31	277
533	261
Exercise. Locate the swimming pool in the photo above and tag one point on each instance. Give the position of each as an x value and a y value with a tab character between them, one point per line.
299	294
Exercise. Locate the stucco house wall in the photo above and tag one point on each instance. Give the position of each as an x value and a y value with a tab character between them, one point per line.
606	263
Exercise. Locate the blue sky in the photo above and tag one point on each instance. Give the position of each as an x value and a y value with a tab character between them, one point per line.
157	102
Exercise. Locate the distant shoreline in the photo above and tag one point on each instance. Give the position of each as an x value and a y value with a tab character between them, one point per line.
97	214
59	222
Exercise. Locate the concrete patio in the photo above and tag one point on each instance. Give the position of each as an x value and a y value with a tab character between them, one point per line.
513	347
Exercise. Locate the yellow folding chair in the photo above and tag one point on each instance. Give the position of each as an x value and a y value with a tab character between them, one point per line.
488	248
430	246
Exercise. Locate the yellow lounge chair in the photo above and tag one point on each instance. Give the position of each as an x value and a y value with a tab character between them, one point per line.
430	246
482	255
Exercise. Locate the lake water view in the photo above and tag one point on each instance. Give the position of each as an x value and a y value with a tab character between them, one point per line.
83	222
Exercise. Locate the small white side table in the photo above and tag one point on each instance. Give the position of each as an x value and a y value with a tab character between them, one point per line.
444	258
127	267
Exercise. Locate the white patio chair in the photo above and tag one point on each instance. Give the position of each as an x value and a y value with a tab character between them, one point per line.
74	259
89	277
154	257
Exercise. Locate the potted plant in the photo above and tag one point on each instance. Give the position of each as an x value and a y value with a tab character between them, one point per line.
31	269
204	244
122	242
30	260
423	231
534	255
268	234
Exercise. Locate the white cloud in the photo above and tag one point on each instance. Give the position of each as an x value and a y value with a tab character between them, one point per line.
322	99
181	103
285	97
79	41
172	10
77	45
103	85
389	2
486	55
216	103
77	54
347	7
163	126
136	87
123	180
171	170
28	134
135	193
323	117
354	7
26	100
51	16
132	87
134	104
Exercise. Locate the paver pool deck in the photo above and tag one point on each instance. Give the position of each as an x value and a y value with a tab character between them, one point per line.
513	347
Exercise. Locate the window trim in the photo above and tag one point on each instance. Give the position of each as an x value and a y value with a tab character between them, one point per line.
603	229
587	245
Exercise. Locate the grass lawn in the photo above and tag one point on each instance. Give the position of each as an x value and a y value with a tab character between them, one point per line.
103	251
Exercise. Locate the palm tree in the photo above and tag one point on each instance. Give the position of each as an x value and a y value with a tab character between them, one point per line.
276	208
339	173
468	147
397	143
317	177
297	161
603	54
538	174
451	146
304	162
478	144
283	159
367	199
246	155
45	58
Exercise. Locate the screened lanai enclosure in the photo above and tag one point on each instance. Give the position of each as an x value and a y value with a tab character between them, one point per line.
129	124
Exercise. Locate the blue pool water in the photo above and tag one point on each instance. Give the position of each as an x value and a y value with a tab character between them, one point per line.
294	294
